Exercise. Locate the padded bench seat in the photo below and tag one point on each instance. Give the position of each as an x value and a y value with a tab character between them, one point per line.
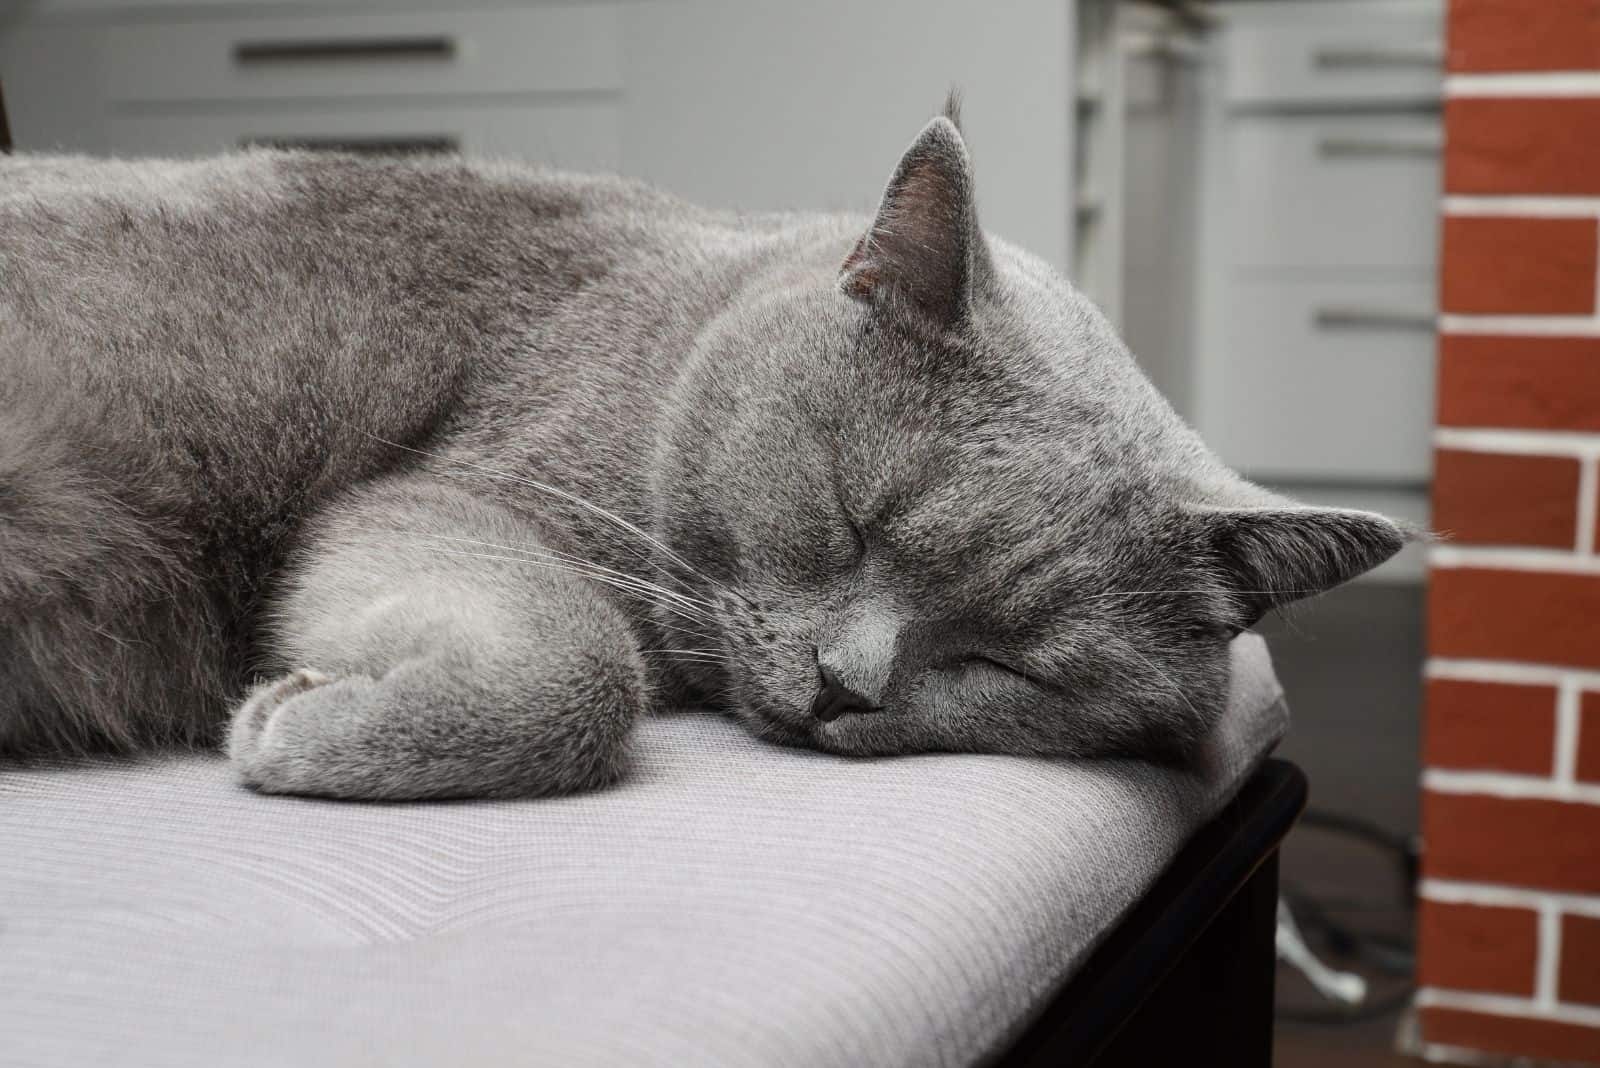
732	903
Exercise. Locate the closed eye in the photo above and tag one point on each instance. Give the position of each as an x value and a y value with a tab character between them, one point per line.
994	664
838	498
855	528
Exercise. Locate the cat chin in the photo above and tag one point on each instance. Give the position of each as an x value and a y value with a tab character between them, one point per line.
796	729
858	736
770	728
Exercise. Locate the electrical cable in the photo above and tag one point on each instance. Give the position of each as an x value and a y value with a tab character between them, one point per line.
1389	954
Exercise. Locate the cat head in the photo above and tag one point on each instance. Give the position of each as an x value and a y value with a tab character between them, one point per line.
950	513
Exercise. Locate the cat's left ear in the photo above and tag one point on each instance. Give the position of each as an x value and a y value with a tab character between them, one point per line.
924	247
1273	555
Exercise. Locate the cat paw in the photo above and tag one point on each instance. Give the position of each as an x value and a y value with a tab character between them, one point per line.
253	717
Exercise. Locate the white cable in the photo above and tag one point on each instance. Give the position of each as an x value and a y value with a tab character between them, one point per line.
1342	987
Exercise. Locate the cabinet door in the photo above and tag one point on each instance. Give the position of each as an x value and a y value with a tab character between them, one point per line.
1345	191
1324	379
322	57
1333	53
53	95
573	135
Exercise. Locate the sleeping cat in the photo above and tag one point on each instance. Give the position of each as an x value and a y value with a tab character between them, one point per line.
474	465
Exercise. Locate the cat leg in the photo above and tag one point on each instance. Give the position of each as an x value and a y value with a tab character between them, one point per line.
426	661
111	636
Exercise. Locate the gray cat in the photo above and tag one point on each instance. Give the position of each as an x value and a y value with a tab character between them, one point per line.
476	464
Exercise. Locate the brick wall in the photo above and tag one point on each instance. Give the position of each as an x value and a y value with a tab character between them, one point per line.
1509	922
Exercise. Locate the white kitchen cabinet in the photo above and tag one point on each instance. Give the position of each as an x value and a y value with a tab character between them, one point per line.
740	105
1311	368
1313	362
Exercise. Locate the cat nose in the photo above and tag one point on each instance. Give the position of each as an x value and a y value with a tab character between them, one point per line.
835	698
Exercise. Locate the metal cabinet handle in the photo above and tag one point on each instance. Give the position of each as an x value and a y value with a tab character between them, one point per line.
265	53
1335	318
1428	56
402	145
1375	147
1165	47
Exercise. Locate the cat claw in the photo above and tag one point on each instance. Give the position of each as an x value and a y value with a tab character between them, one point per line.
251	718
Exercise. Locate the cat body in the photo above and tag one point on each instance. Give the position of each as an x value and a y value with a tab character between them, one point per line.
427	478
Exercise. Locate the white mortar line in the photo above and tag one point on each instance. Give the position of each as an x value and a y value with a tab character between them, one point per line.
1507	671
1522	442
1539	84
1528	325
1430	997
1566	755
1508	785
1533	207
1439	1053
1454	892
1495	558
1548	962
1587	490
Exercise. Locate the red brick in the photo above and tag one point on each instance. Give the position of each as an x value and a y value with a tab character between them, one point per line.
1472	947
1549	845
1523	145
1547	617
1512	1035
1579	981
1537	383
1501	499
1589	738
1503	35
1517	266
1490	726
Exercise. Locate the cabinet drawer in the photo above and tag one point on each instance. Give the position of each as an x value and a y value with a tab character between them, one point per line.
542	49
1334	191
1329	380
1334	53
570	135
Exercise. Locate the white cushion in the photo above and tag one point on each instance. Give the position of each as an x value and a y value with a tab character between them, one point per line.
733	903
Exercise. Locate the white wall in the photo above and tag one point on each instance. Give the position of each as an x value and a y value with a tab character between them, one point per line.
766	105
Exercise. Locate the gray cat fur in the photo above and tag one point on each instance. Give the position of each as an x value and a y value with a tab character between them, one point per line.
321	422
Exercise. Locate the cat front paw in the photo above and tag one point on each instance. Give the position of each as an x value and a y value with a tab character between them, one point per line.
253	718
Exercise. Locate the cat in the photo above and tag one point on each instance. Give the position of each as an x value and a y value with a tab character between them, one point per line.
475	464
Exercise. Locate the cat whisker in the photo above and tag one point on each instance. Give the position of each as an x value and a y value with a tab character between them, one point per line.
687	632
555	491
709	662
1164	677
619	584
577	561
558	562
1154	593
612	578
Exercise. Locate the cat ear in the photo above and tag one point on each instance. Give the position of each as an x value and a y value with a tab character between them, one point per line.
924	246
1275	555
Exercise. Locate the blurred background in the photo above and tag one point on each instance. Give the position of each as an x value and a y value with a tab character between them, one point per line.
1250	190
